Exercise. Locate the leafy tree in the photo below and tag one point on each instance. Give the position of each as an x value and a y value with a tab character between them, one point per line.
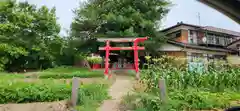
120	18
31	33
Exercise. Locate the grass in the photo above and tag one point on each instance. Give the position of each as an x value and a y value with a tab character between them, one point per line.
80	74
63	72
4	75
65	69
66	73
91	101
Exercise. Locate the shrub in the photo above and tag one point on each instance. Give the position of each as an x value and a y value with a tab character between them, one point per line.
80	56
94	59
21	92
10	76
65	69
89	74
67	72
170	61
47	91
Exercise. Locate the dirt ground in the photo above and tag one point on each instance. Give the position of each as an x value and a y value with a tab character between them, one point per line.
41	106
121	87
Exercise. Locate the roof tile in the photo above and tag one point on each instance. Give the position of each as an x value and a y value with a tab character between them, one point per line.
215	29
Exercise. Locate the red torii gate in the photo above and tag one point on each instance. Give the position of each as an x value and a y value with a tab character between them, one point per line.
135	47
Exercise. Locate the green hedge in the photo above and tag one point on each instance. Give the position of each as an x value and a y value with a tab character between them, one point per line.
47	91
4	76
89	74
66	69
22	92
66	72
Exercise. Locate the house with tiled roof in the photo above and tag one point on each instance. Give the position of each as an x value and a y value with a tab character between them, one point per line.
193	41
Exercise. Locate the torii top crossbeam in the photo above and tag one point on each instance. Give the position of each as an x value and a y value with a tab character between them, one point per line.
141	39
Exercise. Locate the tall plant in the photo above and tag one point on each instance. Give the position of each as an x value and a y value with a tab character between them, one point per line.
187	91
180	78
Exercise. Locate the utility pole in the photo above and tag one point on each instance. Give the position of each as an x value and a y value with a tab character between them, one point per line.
199	18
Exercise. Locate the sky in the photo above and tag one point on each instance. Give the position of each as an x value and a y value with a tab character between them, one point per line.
186	11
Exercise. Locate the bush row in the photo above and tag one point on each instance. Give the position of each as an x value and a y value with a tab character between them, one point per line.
89	74
66	69
4	76
65	72
47	91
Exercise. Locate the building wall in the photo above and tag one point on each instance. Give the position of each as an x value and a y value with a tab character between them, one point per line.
184	36
205	51
181	27
176	53
174	48
170	47
234	46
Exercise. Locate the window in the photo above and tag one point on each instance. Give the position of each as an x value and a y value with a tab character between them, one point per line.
191	32
238	47
225	41
178	34
191	40
217	40
231	40
210	39
222	41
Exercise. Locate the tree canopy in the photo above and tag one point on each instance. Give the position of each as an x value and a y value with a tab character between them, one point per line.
120	18
28	36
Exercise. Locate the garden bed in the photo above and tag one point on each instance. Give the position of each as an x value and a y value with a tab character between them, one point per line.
51	89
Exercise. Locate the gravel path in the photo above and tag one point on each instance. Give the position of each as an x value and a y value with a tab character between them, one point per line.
121	87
